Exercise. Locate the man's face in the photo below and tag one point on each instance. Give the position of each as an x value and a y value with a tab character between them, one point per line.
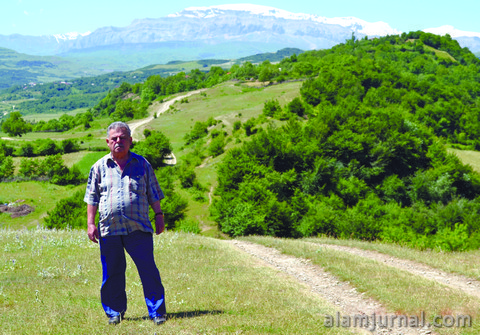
119	142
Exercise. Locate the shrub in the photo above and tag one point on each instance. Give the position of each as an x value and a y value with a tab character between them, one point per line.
68	213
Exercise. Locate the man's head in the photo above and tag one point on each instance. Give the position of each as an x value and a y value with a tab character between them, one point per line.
119	139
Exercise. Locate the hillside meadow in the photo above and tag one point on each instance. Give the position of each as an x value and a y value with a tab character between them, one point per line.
50	278
50	282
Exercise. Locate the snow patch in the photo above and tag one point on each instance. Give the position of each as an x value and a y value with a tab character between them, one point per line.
454	33
357	25
70	36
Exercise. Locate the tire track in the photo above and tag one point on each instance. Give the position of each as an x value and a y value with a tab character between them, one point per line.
467	285
342	295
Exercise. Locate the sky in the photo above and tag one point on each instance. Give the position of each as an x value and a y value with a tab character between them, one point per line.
48	17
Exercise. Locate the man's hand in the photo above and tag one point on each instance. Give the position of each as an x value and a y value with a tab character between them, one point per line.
92	228
92	232
159	224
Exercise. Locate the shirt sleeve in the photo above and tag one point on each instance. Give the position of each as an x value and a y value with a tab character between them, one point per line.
154	192
92	195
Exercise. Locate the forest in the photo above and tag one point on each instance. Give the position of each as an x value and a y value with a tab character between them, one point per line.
361	153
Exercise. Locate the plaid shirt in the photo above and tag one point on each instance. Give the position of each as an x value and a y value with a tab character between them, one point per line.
123	199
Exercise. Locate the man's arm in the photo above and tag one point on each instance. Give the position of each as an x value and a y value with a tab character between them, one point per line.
159	223
92	230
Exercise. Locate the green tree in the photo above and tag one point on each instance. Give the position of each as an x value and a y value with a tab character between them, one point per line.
15	125
68	213
154	148
271	107
6	167
296	107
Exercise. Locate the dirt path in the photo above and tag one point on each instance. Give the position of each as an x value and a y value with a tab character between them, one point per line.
343	296
159	109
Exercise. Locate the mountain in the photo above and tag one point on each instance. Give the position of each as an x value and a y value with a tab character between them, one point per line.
227	32
216	32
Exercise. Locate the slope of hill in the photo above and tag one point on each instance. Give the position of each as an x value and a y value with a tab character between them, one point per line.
29	95
361	139
21	69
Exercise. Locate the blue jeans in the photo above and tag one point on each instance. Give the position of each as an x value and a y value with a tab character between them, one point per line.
139	246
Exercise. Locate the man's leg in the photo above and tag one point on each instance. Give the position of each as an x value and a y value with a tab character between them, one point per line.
113	295
139	246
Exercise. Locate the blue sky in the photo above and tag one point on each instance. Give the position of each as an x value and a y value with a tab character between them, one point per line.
45	17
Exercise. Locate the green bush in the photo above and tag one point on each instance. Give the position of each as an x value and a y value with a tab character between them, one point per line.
68	213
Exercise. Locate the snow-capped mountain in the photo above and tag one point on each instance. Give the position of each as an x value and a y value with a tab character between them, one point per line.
355	24
70	36
225	31
454	33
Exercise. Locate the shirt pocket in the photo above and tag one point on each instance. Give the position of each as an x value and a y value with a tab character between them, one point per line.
137	184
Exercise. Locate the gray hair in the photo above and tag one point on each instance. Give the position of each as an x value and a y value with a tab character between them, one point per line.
118	125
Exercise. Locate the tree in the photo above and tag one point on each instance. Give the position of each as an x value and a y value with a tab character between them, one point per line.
6	167
271	107
296	106
154	148
15	125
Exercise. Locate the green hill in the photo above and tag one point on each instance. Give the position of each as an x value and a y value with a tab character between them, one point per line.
347	142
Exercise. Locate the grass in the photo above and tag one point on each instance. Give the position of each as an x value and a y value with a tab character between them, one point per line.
41	195
227	102
399	291
468	157
49	281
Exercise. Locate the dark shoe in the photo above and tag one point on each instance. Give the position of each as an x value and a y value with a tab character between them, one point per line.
115	320
158	320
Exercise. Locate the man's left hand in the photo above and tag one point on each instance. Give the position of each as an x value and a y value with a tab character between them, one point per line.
159	224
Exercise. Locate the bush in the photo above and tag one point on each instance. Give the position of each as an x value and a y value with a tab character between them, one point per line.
217	145
154	148
68	213
271	107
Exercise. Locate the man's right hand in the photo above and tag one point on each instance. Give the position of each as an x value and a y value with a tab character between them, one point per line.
92	232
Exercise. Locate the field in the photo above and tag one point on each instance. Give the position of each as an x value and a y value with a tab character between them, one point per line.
49	280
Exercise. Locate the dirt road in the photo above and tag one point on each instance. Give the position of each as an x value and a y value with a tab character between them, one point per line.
159	109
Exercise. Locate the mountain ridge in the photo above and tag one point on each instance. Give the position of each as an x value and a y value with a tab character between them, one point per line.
223	31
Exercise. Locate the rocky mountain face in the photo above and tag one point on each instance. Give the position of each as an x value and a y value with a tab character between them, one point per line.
227	32
268	29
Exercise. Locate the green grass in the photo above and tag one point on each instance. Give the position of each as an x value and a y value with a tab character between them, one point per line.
49	282
41	195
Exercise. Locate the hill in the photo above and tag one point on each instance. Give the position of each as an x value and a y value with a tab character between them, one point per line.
356	131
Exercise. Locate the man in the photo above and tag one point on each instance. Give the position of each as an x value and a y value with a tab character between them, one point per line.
122	186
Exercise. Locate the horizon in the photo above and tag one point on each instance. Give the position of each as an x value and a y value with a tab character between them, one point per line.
50	17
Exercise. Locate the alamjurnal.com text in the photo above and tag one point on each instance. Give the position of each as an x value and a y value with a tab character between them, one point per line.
371	322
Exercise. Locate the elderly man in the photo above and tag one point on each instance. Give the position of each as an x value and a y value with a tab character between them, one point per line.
122	186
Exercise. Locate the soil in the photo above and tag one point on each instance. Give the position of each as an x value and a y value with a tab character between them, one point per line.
16	211
345	297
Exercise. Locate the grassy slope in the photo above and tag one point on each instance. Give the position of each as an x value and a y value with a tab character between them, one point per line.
49	281
224	102
211	288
